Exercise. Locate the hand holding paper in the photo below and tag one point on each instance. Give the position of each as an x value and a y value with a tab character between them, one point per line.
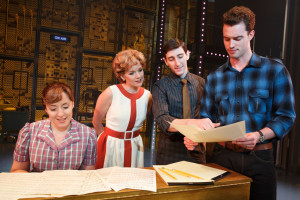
190	144
225	133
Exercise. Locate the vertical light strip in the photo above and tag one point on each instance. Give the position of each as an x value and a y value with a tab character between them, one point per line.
160	35
159	45
202	31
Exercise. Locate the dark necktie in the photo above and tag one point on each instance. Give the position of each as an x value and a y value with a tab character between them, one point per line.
185	100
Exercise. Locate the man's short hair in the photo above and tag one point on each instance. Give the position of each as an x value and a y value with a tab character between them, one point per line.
173	44
239	14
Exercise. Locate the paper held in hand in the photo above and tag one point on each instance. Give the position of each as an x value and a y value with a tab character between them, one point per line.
220	134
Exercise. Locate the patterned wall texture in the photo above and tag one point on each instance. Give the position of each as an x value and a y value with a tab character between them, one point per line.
75	41
91	30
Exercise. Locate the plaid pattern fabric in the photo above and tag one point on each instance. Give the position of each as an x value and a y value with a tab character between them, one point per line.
261	94
167	106
36	144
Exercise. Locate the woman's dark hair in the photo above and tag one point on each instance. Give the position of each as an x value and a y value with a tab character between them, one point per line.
52	93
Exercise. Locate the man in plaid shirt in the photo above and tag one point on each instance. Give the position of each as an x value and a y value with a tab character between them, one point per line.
257	90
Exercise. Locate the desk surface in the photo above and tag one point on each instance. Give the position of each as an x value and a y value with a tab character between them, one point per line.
234	187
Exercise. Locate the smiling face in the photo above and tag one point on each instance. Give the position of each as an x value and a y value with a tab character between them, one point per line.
237	40
177	59
134	77
124	62
60	113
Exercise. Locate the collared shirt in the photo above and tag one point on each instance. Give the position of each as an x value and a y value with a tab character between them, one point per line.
167	106
36	144
167	98
261	94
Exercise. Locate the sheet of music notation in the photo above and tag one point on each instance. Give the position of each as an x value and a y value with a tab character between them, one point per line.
59	183
119	178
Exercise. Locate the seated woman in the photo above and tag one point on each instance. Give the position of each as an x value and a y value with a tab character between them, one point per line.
56	143
125	107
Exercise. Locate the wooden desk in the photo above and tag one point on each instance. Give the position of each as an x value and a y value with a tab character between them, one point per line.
233	187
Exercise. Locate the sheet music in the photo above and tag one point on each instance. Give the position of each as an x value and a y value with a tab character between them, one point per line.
17	185
220	134
58	183
130	178
94	183
55	183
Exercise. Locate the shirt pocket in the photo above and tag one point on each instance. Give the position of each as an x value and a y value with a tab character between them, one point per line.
258	101
223	104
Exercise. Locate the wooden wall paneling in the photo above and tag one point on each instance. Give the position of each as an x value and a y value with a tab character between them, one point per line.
2	26
2	71
98	69
139	32
57	62
15	23
29	24
149	4
36	56
14	83
61	14
100	22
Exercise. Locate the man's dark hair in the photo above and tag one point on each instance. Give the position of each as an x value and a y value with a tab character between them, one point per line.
239	14
173	44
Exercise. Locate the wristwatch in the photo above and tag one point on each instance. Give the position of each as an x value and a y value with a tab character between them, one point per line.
262	137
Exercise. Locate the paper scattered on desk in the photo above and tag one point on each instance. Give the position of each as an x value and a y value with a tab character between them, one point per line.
55	183
120	178
220	134
94	183
68	182
58	183
16	185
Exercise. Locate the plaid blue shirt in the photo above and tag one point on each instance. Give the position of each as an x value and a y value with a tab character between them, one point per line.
261	94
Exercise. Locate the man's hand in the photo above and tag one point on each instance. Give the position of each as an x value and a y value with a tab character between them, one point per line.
190	145
249	141
204	124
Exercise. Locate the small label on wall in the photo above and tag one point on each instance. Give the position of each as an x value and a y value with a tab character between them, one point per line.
59	38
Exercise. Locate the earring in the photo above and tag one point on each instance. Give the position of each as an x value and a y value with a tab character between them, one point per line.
123	79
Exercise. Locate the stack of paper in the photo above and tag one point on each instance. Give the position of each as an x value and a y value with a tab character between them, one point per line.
184	173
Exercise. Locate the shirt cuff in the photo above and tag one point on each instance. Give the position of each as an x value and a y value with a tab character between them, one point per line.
163	123
20	158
